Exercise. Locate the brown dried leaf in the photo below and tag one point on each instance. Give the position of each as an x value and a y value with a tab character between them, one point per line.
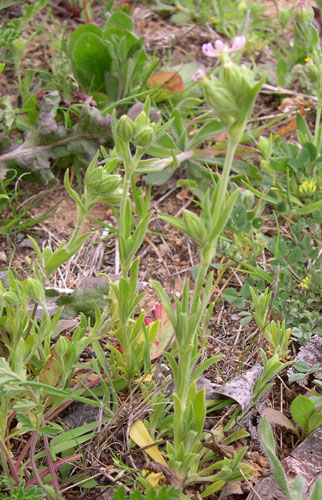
240	388
170	80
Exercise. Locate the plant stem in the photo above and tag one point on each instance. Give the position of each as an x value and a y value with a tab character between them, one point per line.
317	123
206	257
56	466
11	463
80	219
208	251
223	182
124	199
50	462
33	460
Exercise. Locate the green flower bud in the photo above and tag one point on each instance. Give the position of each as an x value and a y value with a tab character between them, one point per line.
100	185
35	290
248	199
220	99
194	227
284	16
303	13
62	346
10	299
125	128
141	121
144	137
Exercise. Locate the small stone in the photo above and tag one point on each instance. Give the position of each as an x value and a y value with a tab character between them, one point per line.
3	257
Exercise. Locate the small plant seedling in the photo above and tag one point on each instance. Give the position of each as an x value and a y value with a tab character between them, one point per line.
305	414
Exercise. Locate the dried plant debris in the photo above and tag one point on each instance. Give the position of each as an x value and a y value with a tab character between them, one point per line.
307	362
240	388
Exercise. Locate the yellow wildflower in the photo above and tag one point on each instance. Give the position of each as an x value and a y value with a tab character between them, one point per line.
306	283
307	188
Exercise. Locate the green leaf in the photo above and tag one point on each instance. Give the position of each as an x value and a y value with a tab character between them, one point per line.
91	59
315	421
230	294
199	410
235	436
217	485
174	221
301	410
308	209
120	20
302	127
268	442
206	132
317	490
119	494
277	417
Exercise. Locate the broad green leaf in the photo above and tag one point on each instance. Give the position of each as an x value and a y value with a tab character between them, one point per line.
91	58
87	28
315	421
120	20
301	410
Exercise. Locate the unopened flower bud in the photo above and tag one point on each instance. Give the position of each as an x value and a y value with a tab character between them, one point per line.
35	290
62	346
100	185
144	137
10	299
248	199
125	128
220	99
303	13
141	121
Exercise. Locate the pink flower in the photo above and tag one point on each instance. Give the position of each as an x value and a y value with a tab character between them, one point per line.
156	314
198	75
219	46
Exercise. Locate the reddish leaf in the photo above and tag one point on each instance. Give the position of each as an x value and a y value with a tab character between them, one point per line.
170	80
165	331
277	417
51	373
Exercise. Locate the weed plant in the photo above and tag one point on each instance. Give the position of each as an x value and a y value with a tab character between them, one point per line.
88	124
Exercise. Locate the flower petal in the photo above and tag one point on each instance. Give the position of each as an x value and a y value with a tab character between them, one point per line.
220	45
198	75
209	50
238	43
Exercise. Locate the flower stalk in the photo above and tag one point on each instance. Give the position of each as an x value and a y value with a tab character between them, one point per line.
232	97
